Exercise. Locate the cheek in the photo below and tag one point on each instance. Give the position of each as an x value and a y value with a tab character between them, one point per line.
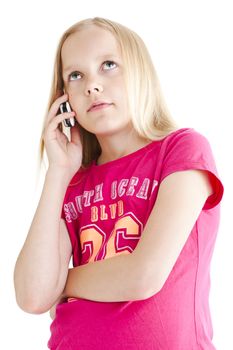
121	99
76	103
120	91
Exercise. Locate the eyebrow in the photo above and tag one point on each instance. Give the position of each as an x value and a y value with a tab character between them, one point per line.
98	57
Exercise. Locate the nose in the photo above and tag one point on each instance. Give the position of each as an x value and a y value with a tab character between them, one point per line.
93	87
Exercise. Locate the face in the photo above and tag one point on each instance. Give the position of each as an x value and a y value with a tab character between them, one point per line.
92	70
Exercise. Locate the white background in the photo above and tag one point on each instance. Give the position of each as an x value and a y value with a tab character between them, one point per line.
191	45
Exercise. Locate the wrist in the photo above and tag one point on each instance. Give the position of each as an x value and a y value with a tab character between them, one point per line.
58	168
60	172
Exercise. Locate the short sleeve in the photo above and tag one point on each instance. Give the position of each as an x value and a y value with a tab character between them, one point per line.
191	150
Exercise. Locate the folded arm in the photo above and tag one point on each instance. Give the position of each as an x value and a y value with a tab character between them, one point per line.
142	273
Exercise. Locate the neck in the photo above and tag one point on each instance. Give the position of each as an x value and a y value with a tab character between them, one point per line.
117	146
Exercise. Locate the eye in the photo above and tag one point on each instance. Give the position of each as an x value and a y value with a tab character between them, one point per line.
109	62
73	73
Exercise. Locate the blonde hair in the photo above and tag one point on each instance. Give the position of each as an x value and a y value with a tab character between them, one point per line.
150	115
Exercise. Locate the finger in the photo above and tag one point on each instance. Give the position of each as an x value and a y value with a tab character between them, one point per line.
55	106
53	125
59	118
61	137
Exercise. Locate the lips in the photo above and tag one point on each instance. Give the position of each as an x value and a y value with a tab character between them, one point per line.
98	104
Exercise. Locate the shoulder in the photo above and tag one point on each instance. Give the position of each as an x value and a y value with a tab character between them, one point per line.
189	149
186	135
188	144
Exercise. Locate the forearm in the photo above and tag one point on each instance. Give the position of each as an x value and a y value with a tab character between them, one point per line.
113	279
38	264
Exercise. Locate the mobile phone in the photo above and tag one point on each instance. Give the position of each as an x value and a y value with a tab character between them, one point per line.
65	107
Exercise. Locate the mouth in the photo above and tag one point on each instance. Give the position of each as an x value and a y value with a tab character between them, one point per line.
99	106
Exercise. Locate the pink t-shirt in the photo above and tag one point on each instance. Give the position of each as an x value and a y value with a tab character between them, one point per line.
99	203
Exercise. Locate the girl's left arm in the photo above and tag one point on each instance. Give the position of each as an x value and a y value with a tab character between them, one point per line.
112	279
142	273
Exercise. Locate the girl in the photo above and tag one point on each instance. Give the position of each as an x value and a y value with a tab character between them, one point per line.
133	198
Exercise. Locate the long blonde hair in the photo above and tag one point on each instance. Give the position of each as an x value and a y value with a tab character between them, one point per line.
150	115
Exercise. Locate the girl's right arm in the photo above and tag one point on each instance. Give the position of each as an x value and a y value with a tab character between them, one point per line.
38	270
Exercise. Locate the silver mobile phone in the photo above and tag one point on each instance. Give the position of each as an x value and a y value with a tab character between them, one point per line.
65	107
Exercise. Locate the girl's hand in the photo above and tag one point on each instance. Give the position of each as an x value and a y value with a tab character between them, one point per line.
60	151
